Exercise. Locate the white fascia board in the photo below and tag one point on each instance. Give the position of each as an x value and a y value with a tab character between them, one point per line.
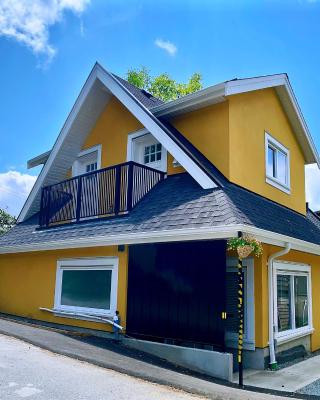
247	85
62	135
212	94
38	160
174	235
155	127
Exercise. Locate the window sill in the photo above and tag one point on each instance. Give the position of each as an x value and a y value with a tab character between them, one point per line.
91	318
294	334
273	182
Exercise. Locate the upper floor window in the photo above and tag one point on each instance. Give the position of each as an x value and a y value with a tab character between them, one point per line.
88	160
144	148
152	153
277	164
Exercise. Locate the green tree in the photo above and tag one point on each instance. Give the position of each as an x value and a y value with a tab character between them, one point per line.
6	221
163	86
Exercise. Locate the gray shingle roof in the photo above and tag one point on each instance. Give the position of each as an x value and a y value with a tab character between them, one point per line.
179	202
142	95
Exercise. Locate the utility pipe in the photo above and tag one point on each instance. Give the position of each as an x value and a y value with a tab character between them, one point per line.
272	305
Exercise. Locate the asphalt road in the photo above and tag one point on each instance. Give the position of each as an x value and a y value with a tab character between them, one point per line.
28	372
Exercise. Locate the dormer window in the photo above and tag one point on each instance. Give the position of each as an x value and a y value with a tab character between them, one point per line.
277	164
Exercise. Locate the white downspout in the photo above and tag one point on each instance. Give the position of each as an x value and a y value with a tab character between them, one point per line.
272	305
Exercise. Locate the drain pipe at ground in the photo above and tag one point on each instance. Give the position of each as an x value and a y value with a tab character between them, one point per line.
287	248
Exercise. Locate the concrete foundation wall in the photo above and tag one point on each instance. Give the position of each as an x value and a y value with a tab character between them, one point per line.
213	363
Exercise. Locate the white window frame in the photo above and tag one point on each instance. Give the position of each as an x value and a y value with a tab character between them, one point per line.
76	264
292	269
76	166
231	338
131	148
277	146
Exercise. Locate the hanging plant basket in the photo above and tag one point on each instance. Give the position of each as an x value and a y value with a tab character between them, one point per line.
245	246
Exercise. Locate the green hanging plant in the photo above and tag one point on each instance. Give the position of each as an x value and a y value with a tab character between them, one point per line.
245	245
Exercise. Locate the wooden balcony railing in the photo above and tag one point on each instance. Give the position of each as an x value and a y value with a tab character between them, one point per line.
106	192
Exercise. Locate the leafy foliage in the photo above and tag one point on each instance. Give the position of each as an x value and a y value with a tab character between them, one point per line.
163	86
6	221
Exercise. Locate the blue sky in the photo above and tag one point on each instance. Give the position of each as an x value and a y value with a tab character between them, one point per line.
46	53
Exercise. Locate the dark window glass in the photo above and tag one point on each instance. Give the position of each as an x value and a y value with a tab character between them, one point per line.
301	301
284	302
86	288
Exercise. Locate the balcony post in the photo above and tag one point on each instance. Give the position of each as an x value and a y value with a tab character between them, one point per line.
47	218
117	189
79	193
130	186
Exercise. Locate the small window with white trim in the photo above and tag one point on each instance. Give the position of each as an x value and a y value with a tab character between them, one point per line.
144	148
293	299
87	286
277	164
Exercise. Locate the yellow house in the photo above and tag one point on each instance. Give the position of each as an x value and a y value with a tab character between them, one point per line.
134	206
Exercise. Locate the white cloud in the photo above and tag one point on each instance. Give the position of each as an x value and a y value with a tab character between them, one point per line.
169	47
14	189
313	186
28	21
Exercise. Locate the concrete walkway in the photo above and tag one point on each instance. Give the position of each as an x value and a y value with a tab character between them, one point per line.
128	362
289	379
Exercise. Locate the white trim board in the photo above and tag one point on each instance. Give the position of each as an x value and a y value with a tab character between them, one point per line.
98	88
174	235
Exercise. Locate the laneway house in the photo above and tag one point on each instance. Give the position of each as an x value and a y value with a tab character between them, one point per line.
135	203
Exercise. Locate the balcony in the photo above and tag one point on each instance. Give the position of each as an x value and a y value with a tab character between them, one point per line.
106	192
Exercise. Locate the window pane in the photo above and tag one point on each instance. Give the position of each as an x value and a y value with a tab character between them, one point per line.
158	156
271	164
152	148
284	302
282	167
146	150
146	159
301	300
153	157
87	288
159	147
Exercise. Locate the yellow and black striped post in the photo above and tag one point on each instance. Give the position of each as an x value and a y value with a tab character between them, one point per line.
240	318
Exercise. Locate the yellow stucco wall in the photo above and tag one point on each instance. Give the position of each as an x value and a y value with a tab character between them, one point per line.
261	293
250	115
208	130
27	282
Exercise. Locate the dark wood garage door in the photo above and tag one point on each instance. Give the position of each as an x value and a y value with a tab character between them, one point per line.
177	291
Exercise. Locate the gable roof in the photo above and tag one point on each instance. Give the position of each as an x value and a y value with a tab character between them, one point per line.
154	114
178	209
96	92
220	92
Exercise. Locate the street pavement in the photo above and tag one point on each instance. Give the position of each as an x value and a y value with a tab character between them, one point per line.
28	372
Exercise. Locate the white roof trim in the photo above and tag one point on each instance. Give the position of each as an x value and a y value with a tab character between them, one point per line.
219	93
219	232
38	160
154	126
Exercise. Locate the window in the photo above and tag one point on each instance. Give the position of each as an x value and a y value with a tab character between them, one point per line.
152	153
144	148
87	285
91	167
232	322
88	160
293	299
277	164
